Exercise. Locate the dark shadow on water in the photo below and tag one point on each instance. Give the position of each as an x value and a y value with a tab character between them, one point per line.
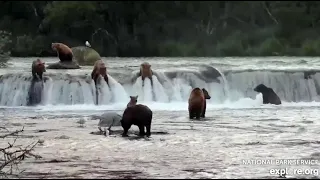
307	122
297	142
52	161
132	134
202	120
283	126
257	143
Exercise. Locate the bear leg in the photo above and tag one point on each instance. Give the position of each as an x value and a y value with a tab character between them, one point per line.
151	81
148	127
190	115
35	77
198	115
65	57
70	57
40	75
125	131
203	114
106	79
204	109
141	129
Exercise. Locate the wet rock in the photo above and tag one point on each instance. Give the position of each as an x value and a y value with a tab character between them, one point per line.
42	130
85	55
64	65
16	124
62	137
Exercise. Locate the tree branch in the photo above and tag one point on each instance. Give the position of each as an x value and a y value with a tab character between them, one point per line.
13	154
269	13
12	133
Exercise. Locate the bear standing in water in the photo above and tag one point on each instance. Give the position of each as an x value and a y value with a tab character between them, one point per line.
268	95
197	103
139	115
99	68
37	69
145	72
66	57
36	87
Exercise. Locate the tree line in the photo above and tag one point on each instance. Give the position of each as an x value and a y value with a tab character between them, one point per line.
167	28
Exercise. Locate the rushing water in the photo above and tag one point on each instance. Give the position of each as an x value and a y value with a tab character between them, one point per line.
238	127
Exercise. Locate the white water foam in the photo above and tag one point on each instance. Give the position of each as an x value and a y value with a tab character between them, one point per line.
172	94
235	88
172	106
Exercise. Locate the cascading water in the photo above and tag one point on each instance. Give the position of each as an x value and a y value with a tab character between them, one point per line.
66	89
290	86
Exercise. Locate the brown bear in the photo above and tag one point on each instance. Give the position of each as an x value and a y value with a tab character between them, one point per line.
268	95
133	101
197	103
65	55
139	115
145	71
64	52
99	68
38	68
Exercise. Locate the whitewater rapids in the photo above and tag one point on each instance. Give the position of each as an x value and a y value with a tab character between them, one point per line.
234	88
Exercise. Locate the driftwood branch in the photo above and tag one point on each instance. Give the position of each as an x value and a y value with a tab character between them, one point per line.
11	133
13	154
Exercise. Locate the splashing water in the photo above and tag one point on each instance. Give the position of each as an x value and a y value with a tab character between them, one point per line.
233	88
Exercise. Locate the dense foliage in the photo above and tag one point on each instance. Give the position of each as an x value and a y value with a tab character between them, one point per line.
167	28
4	48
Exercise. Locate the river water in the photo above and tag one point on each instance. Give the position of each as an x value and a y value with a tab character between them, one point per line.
237	129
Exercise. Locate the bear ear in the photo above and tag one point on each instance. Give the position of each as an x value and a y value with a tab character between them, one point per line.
137	97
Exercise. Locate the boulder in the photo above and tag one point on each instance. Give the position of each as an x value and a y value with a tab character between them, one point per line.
85	56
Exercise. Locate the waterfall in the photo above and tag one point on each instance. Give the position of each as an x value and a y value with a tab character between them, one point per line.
167	87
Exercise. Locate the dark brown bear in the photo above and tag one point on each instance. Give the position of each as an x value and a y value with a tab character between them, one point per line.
38	68
139	115
268	95
64	52
99	68
197	103
206	96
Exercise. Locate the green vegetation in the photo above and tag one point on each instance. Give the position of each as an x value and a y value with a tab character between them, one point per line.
168	28
4	48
